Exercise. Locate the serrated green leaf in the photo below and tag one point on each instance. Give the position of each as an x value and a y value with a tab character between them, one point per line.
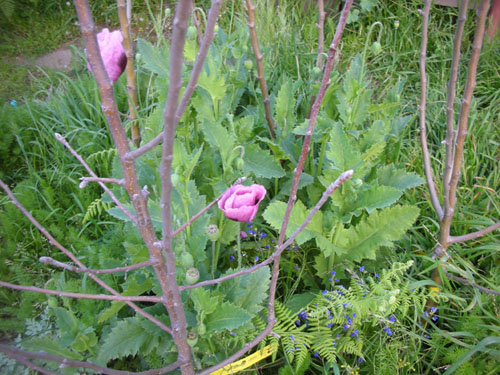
125	339
275	213
253	290
133	289
203	302
156	59
398	178
341	152
373	152
375	134
218	136
215	86
227	316
66	321
381	228
50	346
261	163
373	198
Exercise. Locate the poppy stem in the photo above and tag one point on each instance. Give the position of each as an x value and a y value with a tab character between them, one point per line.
238	242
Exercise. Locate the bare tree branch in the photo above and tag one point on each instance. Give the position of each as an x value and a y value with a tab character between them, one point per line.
53	262
104	180
193	80
321	33
422	107
103	297
113	197
470	84
474	235
471	283
16	353
452	86
174	303
260	68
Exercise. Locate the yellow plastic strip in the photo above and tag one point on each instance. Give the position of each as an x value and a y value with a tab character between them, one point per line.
243	363
434	290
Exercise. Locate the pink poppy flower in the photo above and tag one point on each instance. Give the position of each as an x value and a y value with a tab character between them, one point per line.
241	203
112	53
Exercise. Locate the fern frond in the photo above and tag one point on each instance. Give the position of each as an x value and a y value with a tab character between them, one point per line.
95	209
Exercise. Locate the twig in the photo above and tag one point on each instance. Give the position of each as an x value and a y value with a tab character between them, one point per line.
260	69
193	80
129	70
104	180
452	85
53	262
279	249
174	303
422	109
470	84
321	33
474	235
467	282
113	197
271	318
70	255
30	364
16	353
103	297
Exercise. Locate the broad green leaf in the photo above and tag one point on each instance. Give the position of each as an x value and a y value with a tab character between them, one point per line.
252	290
285	106
215	86
341	152
156	59
375	134
66	321
133	288
275	213
373	198
125	339
218	136
261	163
373	152
50	346
398	178
381	228
227	316
203	303
190	50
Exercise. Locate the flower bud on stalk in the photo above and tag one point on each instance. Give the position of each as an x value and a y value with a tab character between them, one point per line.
186	259
192	276
213	232
192	339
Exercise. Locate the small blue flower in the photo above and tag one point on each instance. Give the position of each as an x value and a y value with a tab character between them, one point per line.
362	269
231	258
298	323
266	247
324	292
13	103
262	235
360	360
346	327
329	325
376	275
292	338
427	336
434	309
333	273
426	313
334	343
435	318
256	258
355	333
316	354
392	318
388	331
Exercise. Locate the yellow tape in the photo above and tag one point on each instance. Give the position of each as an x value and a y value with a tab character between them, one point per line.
434	290
243	363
